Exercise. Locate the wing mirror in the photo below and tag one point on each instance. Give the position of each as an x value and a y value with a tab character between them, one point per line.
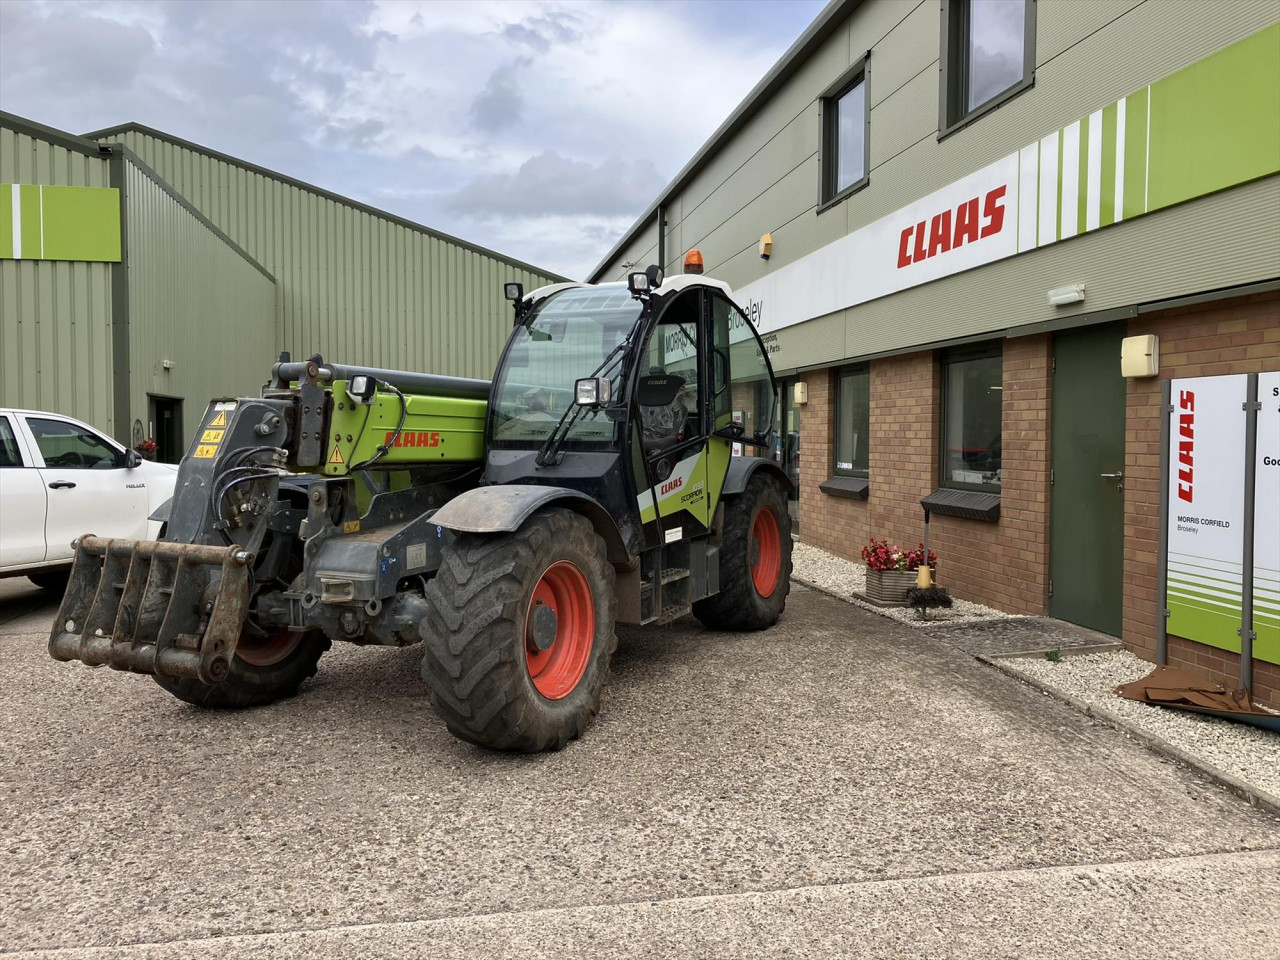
132	459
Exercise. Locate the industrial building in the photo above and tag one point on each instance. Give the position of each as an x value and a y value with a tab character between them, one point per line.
141	275
945	217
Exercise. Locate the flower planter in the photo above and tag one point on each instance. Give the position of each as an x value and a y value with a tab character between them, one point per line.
890	586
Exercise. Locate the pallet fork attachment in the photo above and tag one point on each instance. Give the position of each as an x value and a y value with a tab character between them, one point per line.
171	609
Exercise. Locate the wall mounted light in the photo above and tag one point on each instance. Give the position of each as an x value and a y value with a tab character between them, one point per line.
167	364
800	393
766	246
1140	356
1061	296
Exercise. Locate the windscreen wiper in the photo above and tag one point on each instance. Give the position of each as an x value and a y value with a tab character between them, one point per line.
550	448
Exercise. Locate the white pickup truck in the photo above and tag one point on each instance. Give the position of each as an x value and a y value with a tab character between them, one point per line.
60	478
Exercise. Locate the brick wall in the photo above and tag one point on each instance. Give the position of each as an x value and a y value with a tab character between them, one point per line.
1002	564
1006	564
834	524
1229	337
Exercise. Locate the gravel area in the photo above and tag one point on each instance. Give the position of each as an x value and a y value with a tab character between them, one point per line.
843	578
1247	753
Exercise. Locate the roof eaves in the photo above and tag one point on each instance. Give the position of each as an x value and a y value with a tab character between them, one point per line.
107	132
51	134
827	22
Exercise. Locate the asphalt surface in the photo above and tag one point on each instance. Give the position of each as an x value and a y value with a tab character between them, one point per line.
839	786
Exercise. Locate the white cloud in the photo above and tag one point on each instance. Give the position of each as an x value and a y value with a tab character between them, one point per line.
443	112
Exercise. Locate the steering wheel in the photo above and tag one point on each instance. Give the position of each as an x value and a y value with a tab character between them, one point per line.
71	458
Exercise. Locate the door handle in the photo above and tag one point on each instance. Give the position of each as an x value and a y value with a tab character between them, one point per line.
62	485
1113	476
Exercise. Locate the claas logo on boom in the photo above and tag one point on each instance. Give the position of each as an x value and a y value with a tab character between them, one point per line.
413	438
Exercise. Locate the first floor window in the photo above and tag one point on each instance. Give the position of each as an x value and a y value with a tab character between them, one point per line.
853	420
988	51
972	391
844	135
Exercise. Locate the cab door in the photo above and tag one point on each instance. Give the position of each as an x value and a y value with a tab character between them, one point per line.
22	500
672	394
744	399
88	487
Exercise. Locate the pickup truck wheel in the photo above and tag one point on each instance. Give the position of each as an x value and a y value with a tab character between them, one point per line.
755	560
519	633
55	581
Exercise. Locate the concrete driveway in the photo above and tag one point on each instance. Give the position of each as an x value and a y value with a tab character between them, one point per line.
837	787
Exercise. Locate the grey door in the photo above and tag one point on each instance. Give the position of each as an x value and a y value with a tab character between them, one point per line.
1086	521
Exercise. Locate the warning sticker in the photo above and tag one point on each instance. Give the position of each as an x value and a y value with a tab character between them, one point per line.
219	420
351	526
213	436
337	456
206	451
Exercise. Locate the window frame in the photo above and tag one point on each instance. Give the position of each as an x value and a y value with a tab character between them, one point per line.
953	67
983	350
118	452
840	374
829	135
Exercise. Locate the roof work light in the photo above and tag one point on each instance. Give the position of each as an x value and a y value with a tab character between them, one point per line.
513	291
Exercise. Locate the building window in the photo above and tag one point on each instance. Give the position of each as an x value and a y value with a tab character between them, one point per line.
988	55
972	390
845	141
853	420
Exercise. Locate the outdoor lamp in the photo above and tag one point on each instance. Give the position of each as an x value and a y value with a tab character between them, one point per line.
593	391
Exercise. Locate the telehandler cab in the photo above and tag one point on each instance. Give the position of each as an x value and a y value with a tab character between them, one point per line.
507	525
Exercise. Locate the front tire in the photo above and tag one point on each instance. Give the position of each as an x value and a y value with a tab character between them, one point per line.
519	633
269	665
755	560
263	671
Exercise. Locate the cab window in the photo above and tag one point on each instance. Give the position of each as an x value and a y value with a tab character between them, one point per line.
744	390
68	446
672	352
9	454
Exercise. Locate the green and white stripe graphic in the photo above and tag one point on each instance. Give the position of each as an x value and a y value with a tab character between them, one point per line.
59	223
1211	125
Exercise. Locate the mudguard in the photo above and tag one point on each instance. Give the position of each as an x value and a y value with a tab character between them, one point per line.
741	470
502	508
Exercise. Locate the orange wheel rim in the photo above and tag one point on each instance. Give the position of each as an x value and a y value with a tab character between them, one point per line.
267	650
557	646
766	552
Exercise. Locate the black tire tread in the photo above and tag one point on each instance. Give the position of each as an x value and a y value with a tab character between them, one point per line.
738	606
251	686
474	629
53	581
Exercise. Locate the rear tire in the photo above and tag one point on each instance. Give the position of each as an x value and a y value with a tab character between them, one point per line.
503	672
755	560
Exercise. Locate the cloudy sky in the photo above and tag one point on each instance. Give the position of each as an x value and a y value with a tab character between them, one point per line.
539	128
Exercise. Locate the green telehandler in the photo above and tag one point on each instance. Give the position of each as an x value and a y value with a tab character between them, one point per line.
506	525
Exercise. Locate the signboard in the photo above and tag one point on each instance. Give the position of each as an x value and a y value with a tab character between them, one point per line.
1187	135
1266	523
1206	509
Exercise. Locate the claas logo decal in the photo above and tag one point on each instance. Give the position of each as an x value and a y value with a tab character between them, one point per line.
951	229
413	438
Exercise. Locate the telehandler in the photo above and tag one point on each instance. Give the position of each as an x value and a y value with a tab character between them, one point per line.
508	526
